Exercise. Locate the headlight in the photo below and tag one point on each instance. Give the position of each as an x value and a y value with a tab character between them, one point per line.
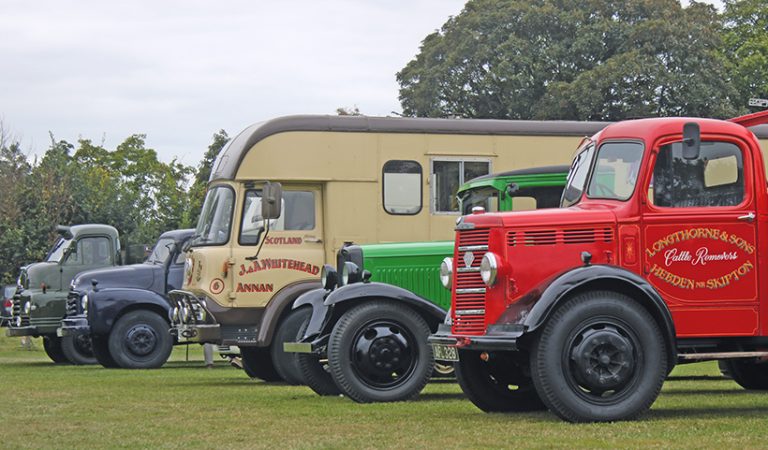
489	267
27	307
446	272
329	277
84	304
350	273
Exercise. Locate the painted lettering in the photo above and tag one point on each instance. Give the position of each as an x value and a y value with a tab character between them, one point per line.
278	263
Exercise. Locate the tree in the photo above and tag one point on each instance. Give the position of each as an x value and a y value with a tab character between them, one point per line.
746	47
563	59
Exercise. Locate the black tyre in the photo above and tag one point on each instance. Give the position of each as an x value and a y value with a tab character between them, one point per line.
257	363
140	340
500	384
286	364
378	352
314	371
78	349
600	357
100	347
52	347
748	373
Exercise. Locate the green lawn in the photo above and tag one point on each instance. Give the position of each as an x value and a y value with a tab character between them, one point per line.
186	406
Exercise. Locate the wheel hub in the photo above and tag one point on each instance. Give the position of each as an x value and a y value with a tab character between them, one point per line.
603	359
141	340
382	354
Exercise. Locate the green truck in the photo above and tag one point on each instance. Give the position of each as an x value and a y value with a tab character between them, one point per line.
40	300
365	332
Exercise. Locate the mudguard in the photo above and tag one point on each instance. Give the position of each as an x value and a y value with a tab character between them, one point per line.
320	312
532	310
105	306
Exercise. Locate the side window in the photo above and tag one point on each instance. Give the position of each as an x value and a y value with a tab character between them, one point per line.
531	198
401	187
297	213
448	176
715	178
90	251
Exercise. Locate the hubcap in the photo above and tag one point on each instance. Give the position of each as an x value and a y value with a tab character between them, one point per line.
141	340
383	354
603	359
83	344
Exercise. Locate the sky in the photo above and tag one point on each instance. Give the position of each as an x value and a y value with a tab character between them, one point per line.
179	71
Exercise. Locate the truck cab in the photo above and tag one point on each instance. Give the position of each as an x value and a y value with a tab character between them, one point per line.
124	310
40	301
652	260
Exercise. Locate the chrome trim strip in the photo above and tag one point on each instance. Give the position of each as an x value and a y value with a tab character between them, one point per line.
470	312
473	248
471	291
468	269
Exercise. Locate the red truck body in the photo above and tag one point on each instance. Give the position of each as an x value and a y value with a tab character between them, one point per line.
676	237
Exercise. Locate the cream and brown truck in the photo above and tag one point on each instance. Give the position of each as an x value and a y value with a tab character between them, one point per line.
344	179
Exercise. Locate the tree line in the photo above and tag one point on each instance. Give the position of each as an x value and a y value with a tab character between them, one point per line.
127	187
590	60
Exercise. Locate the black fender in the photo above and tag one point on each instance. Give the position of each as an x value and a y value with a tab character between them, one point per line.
106	306
320	311
279	304
357	292
534	309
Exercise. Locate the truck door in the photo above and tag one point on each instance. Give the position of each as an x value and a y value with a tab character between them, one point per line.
700	238
291	251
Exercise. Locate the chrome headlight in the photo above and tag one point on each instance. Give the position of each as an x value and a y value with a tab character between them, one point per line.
84	304
489	267
446	272
27	308
350	273
329	277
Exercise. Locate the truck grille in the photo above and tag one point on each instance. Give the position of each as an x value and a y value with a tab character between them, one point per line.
17	312
72	301
469	309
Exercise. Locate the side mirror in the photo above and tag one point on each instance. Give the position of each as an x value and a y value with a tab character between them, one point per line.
271	200
64	231
512	188
691	140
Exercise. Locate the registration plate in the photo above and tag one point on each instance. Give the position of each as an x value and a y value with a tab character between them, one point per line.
445	352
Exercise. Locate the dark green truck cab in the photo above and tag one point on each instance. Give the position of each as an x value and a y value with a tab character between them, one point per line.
40	300
371	319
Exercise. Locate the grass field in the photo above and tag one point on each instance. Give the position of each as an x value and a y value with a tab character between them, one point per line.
184	405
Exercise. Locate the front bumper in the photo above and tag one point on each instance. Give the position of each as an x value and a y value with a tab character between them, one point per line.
22	331
317	346
74	326
197	333
497	338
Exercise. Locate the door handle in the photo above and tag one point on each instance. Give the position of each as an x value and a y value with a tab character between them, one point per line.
312	239
747	217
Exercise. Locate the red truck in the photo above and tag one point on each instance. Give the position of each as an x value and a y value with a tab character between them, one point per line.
655	259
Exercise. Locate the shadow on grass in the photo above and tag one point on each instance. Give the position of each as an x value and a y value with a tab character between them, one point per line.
698	378
725	411
710	392
432	396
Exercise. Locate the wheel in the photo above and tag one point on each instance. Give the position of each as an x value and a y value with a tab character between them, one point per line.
78	349
378	352
748	373
286	364
314	371
100	347
52	347
500	384
257	363
600	357
725	369
140	340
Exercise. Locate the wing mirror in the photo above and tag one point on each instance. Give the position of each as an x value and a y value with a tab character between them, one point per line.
271	201
691	140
